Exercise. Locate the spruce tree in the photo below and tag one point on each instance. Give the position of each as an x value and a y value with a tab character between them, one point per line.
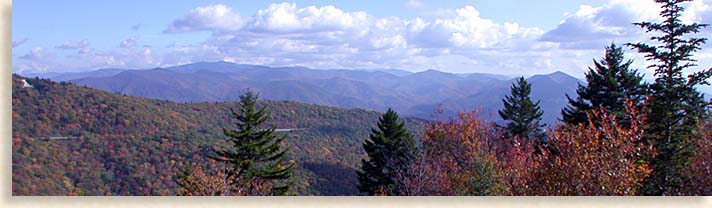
610	83
391	151
255	156
523	116
675	106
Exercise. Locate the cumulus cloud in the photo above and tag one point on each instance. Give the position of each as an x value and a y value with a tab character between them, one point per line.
212	18
327	36
467	30
591	27
287	18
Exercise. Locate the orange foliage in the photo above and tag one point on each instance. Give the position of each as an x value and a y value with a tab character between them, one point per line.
196	182
602	158
219	180
467	156
459	157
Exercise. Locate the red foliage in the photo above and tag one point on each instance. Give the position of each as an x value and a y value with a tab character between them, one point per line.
700	169
466	156
602	158
459	157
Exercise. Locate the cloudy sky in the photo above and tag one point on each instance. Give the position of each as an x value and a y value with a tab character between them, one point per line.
504	36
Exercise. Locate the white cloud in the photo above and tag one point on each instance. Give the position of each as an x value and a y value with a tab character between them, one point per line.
287	18
212	18
467	30
313	26
592	27
698	11
328	37
129	43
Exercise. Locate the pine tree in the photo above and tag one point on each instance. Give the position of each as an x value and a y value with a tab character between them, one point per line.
256	158
610	83
675	106
523	116
391	152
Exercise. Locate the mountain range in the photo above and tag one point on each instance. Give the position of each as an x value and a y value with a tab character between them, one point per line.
416	94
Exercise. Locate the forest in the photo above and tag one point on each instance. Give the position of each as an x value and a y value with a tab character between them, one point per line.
69	139
618	135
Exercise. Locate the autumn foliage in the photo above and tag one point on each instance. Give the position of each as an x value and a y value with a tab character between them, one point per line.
459	157
700	169
212	181
467	156
601	158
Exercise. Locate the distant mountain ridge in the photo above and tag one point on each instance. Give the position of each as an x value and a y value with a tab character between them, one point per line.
410	93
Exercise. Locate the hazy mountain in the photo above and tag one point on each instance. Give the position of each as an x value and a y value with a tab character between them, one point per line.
412	94
551	90
77	75
397	72
496	76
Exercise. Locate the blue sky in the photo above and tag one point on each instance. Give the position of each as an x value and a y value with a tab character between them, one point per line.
506	36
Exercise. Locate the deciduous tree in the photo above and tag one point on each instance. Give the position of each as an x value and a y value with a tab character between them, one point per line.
600	159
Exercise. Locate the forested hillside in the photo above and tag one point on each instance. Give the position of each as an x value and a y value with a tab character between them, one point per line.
69	139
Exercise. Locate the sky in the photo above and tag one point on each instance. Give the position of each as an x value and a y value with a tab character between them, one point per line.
502	37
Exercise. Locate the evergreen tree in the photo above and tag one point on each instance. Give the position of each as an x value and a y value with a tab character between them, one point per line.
523	116
675	106
391	152
610	83
256	157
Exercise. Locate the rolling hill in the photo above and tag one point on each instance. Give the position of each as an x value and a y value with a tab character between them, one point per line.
68	139
412	94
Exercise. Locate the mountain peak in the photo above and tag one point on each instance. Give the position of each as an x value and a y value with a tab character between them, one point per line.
559	73
557	77
433	71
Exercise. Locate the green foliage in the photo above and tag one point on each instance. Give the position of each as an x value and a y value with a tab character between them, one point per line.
523	115
610	83
391	151
675	107
255	155
484	181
